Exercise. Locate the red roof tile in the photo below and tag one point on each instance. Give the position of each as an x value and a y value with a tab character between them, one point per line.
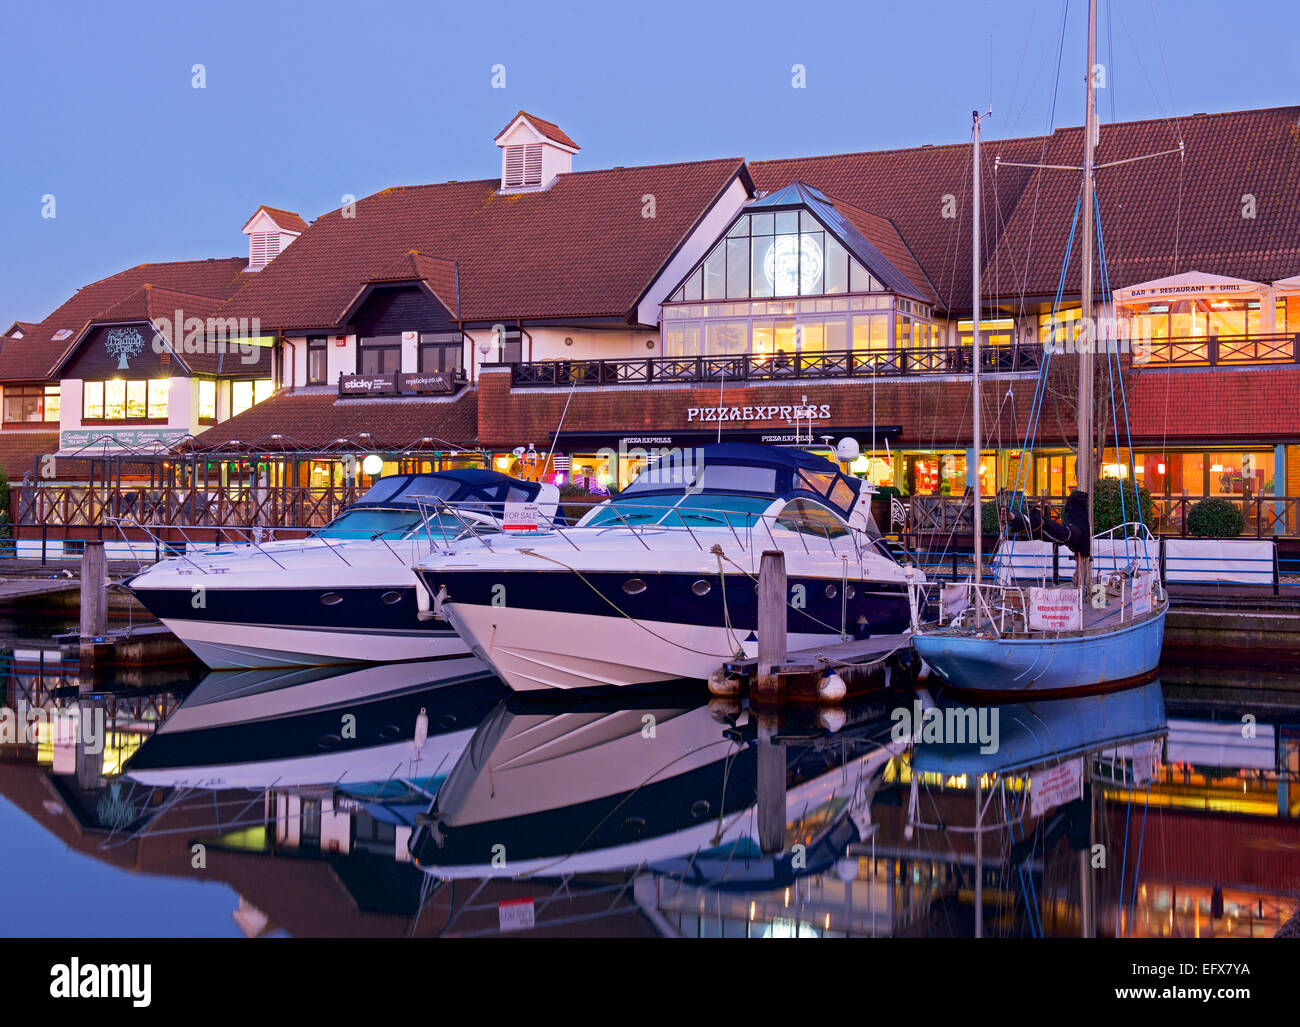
33	357
316	419
284	219
547	128
19	448
440	276
883	235
578	249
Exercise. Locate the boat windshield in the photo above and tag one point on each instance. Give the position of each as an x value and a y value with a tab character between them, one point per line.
694	509
378	522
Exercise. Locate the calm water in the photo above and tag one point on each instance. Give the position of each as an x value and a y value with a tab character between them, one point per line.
327	803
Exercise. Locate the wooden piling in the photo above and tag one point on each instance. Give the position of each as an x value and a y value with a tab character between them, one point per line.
771	623
771	786
94	599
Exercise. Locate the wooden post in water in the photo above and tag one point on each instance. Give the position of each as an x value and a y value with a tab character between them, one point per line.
771	623
94	598
767	688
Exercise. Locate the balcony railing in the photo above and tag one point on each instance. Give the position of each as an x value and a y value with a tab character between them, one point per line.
777	367
1217	350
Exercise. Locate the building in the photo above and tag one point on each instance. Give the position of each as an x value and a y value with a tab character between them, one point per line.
580	317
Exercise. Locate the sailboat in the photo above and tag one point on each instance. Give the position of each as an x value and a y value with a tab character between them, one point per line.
1000	639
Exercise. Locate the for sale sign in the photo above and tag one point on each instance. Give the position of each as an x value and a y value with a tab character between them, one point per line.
1055	609
1055	787
520	517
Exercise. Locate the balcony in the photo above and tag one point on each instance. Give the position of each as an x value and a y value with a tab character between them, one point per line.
1217	350
754	367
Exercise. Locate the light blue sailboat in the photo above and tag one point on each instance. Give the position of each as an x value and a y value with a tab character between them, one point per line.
1106	630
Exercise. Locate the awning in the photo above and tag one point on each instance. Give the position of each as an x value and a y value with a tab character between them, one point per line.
1288	286
1190	284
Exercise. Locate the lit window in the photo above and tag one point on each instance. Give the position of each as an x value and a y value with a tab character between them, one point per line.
30	403
207	400
157	405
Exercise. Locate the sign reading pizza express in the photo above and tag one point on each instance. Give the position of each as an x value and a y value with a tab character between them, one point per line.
418	384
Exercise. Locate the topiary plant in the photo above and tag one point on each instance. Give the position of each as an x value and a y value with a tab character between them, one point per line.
1215	518
989	522
1110	511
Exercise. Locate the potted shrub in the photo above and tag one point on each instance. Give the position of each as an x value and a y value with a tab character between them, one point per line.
1215	518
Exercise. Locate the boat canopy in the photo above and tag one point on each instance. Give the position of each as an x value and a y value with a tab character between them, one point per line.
776	472
466	485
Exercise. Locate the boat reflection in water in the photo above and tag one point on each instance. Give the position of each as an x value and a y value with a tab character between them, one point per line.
314	726
313	793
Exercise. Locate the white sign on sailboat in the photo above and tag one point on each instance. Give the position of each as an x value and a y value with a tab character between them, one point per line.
1055	609
1141	595
1056	786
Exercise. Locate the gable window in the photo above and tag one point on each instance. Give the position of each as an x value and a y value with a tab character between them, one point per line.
523	166
207	401
380	354
31	403
782	253
125	401
317	360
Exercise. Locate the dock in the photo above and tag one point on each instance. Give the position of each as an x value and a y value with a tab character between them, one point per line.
859	663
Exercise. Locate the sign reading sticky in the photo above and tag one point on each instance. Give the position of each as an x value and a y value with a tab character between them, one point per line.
520	517
1055	609
1055	787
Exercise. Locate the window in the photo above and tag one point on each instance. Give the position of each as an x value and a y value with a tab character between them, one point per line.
809	518
784	253
381	354
440	353
523	166
244	395
119	400
317	360
207	400
29	403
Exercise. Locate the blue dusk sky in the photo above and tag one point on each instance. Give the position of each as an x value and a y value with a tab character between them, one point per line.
306	102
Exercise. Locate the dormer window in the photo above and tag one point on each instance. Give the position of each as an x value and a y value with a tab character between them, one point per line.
270	231
533	153
263	247
523	166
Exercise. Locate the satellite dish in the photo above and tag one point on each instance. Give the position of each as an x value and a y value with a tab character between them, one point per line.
848	450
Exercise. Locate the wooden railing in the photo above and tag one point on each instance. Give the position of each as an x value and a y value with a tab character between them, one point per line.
1216	350
1264	516
92	506
777	367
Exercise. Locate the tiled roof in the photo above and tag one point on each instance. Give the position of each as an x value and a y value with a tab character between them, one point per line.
883	235
438	274
316	419
1168	214
284	219
34	356
25	327
546	128
19	448
581	248
1159	216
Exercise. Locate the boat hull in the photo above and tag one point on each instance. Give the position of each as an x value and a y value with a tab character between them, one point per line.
559	630
1045	667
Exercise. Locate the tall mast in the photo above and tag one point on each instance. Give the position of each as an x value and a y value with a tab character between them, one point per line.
977	521
1085	468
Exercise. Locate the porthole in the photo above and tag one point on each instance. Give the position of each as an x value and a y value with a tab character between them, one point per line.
389	732
831	591
447	721
701	588
331	599
633	826
851	592
700	809
389	598
328	741
634	586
